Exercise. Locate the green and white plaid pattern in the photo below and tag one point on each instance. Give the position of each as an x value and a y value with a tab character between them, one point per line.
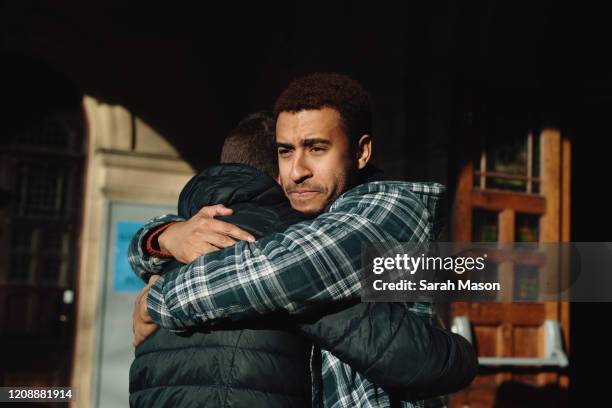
311	264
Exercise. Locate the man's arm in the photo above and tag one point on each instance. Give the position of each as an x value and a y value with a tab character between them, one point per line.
311	264
142	262
395	346
142	324
147	256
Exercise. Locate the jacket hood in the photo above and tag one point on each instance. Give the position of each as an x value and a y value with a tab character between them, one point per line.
431	195
228	184
433	198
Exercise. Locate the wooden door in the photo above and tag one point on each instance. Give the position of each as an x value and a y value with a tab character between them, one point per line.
41	180
514	188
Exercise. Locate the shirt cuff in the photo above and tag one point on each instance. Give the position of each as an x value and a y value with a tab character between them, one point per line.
155	302
152	245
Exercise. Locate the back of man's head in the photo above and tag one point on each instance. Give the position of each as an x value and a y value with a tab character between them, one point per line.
252	142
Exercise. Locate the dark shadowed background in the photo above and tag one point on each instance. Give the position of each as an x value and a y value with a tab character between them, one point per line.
433	69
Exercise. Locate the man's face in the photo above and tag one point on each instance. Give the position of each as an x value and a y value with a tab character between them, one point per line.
316	160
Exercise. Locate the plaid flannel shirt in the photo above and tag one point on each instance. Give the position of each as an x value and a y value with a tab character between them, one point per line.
311	264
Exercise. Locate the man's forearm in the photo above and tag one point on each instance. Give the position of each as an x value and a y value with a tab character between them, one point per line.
143	263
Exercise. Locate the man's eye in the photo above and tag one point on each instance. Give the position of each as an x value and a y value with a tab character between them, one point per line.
283	152
316	149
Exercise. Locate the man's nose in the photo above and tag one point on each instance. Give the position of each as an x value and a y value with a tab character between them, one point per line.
300	170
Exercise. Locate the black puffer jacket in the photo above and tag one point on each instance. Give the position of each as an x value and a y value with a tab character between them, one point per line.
264	366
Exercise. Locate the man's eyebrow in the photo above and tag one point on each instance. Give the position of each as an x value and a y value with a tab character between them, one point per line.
314	141
304	142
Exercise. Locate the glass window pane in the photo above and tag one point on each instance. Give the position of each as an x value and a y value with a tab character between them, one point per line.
527	227
43	130
42	187
490	274
51	272
484	226
56	241
508	158
22	238
20	267
525	282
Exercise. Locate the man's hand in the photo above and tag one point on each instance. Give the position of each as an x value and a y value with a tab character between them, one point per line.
201	234
142	324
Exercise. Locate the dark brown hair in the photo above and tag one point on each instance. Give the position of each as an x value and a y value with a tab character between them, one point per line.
252	142
340	92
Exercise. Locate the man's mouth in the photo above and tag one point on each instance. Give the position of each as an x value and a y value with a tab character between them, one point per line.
303	193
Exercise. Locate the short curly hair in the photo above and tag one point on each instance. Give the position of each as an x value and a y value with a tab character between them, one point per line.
331	90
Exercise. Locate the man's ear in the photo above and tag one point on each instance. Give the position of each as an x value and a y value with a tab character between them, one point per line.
277	178
364	151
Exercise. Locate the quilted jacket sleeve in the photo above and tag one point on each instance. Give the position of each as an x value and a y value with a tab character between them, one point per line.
396	349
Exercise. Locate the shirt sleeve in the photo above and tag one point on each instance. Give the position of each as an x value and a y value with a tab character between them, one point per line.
144	264
309	265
